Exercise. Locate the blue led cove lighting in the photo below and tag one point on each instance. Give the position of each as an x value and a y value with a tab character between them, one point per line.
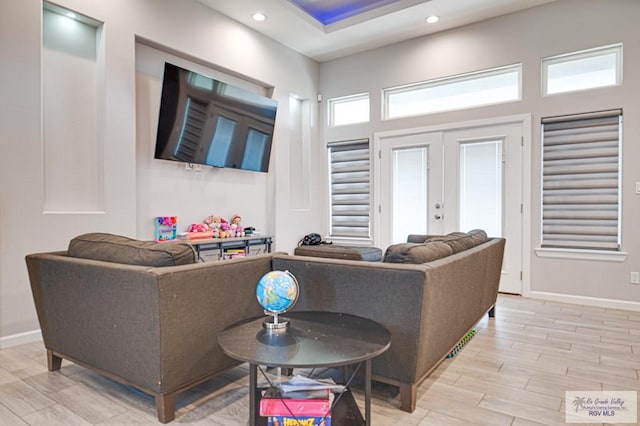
329	11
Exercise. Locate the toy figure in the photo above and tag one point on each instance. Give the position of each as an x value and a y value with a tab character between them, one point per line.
236	228
225	229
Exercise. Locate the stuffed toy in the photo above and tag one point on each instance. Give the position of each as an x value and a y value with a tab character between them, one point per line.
212	221
218	225
236	228
225	229
197	227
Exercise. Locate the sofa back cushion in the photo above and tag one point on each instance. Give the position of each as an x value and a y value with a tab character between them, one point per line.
417	253
459	241
119	249
426	248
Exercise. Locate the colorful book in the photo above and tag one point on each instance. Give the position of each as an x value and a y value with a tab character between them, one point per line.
299	403
298	421
166	228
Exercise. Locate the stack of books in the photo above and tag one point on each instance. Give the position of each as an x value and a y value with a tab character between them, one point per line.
299	402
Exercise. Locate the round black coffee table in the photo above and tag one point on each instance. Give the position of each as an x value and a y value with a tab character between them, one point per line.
313	339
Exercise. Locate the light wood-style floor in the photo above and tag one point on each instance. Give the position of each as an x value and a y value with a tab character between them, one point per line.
515	371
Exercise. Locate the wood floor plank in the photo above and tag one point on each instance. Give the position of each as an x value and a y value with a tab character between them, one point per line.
131	417
7	417
6	377
621	360
385	411
94	407
22	399
534	366
47	382
564	353
438	418
522	422
594	367
499	355
56	415
477	415
558	389
510	393
603	377
523	410
535	340
600	347
13	359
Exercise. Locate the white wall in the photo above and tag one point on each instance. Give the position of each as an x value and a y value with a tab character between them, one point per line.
135	187
526	37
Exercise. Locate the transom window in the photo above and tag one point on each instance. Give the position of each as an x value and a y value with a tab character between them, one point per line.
349	110
479	88
586	69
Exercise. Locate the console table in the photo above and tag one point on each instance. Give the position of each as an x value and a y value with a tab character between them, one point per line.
222	244
313	339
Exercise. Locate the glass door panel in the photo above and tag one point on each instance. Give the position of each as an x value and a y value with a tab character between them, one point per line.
480	189
410	190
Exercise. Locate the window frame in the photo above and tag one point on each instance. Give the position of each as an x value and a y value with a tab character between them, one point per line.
616	48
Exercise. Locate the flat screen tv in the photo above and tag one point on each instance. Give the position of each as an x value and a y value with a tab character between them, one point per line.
205	121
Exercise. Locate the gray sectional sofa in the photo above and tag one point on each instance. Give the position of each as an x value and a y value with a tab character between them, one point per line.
146	315
429	293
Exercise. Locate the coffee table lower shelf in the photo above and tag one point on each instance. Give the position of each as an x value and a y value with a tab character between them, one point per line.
345	412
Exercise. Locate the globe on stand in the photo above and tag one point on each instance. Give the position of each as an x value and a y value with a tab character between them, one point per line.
277	292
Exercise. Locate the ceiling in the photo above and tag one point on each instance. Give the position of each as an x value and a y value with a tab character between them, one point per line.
328	29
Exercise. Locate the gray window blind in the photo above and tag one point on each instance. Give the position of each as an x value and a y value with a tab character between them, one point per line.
349	170
581	181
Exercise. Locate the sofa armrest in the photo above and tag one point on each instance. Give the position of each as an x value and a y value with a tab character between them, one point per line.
101	314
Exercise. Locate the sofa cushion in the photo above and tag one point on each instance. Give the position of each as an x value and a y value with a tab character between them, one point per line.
119	249
460	241
334	251
417	253
417	238
478	235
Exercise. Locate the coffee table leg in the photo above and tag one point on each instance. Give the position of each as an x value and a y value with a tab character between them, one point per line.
253	379
367	393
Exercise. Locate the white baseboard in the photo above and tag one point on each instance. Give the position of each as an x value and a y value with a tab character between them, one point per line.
20	339
585	300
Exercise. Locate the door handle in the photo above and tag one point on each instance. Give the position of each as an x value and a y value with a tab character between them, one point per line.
438	216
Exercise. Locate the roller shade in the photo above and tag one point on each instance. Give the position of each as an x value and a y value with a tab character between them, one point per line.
581	181
349	164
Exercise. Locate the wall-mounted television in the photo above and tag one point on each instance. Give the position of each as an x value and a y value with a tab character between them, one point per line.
209	122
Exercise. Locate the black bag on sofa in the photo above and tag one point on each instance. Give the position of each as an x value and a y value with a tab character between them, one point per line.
312	239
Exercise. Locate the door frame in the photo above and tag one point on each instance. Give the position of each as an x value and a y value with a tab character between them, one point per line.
522	119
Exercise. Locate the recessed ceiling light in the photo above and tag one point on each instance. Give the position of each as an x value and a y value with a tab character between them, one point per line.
432	19
258	16
71	15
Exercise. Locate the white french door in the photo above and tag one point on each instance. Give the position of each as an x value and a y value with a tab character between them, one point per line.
410	180
483	189
457	179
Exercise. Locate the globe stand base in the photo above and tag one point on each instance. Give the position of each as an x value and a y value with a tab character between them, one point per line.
273	322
